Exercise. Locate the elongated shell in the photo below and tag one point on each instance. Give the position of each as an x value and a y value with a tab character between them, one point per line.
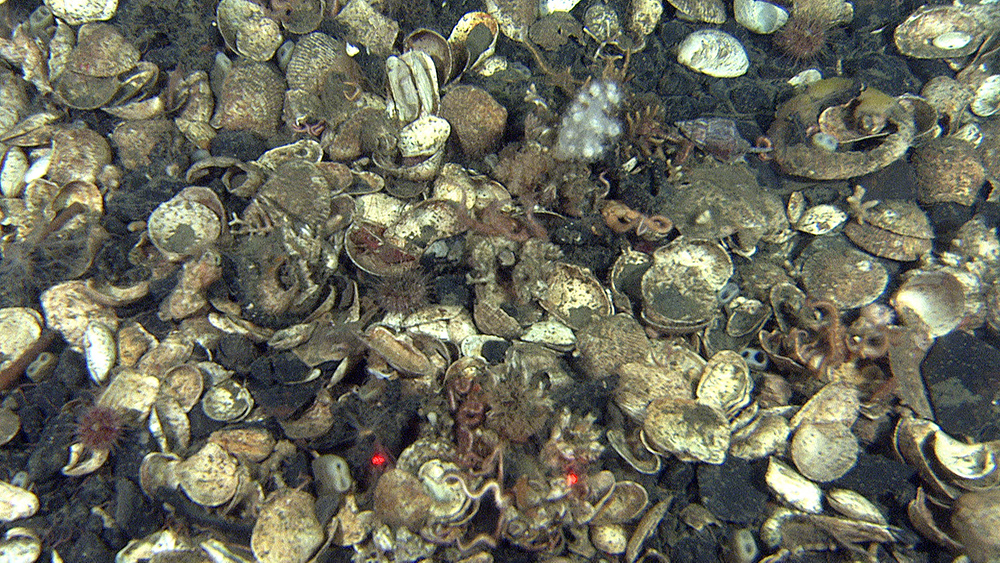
713	52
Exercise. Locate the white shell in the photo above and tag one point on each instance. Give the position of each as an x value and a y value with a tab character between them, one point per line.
100	350
15	165
987	99
793	489
759	16
16	503
713	52
546	7
423	137
75	12
951	40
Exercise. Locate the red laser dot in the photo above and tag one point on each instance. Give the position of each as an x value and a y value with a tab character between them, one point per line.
378	460
571	479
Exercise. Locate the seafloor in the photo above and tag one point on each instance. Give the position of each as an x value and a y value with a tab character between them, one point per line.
305	280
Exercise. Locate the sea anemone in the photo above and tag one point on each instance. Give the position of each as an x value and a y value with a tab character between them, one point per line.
804	37
99	427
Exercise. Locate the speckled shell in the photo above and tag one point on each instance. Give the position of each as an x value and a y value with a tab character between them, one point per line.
934	32
713	52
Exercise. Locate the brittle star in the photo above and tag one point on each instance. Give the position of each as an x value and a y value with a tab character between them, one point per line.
312	128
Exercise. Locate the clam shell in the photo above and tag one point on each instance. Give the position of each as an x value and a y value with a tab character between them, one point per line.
936	298
759	16
75	12
713	52
986	101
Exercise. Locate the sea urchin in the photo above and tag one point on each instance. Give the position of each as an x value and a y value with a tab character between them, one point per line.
99	428
803	38
402	293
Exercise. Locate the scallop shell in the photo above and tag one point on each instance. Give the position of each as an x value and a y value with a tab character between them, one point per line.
102	51
713	52
934	32
759	16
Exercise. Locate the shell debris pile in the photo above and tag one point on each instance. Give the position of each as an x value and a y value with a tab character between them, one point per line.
300	280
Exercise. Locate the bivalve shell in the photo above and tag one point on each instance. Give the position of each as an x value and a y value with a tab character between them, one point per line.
713	52
759	16
936	298
287	530
708	11
16	503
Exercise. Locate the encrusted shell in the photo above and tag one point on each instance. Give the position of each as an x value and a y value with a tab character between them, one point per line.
713	52
287	530
186	223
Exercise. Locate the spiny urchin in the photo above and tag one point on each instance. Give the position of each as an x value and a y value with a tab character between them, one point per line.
403	293
804	37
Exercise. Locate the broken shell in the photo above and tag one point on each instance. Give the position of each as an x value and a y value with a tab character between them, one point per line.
933	32
423	137
210	476
963	461
824	452
854	505
22	328
935	298
21	545
692	431
247	30
16	503
759	16
287	530
435	45
473	40
819	219
792	488
680	289
713	52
